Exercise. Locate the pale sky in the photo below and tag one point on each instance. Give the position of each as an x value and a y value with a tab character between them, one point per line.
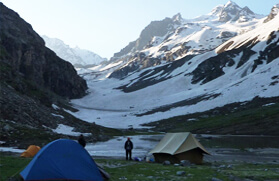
107	26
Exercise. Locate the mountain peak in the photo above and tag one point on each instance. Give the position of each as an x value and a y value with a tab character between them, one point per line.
232	12
177	17
248	10
76	56
230	3
217	10
274	12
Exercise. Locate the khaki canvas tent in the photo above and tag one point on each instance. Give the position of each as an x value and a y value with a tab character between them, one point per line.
31	151
175	147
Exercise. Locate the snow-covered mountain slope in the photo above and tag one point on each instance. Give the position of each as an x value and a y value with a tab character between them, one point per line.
187	37
76	56
206	32
242	68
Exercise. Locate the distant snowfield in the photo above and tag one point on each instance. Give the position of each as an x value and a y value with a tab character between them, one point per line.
111	107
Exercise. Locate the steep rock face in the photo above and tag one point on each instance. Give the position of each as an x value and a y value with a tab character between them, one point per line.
273	13
31	78
24	51
155	28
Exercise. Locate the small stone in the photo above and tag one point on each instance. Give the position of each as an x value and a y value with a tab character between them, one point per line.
180	173
123	178
166	162
185	163
215	179
7	127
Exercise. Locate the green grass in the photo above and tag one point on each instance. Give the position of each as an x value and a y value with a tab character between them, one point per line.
123	170
118	169
255	171
10	166
257	120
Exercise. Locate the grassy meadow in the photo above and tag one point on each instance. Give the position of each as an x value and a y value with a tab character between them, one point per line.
11	165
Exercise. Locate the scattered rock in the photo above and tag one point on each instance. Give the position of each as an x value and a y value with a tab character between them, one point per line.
150	177
123	178
7	127
180	173
166	162
215	179
185	163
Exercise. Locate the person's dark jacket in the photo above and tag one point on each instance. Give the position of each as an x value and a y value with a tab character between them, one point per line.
81	141
128	145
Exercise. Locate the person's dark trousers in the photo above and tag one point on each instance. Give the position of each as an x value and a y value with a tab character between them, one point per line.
129	154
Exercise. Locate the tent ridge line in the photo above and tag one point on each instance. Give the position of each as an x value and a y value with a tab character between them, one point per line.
183	141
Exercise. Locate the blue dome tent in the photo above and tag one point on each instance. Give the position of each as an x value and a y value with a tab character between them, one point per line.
62	159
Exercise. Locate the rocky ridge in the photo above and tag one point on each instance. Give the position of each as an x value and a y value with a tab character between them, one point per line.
273	13
80	58
185	37
155	28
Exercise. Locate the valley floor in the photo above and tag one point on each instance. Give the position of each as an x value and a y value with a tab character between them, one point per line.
223	148
233	157
119	169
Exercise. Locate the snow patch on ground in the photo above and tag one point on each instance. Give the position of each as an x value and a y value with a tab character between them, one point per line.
11	149
68	130
55	107
56	115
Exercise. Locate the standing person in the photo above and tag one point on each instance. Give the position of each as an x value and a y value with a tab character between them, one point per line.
128	147
81	141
